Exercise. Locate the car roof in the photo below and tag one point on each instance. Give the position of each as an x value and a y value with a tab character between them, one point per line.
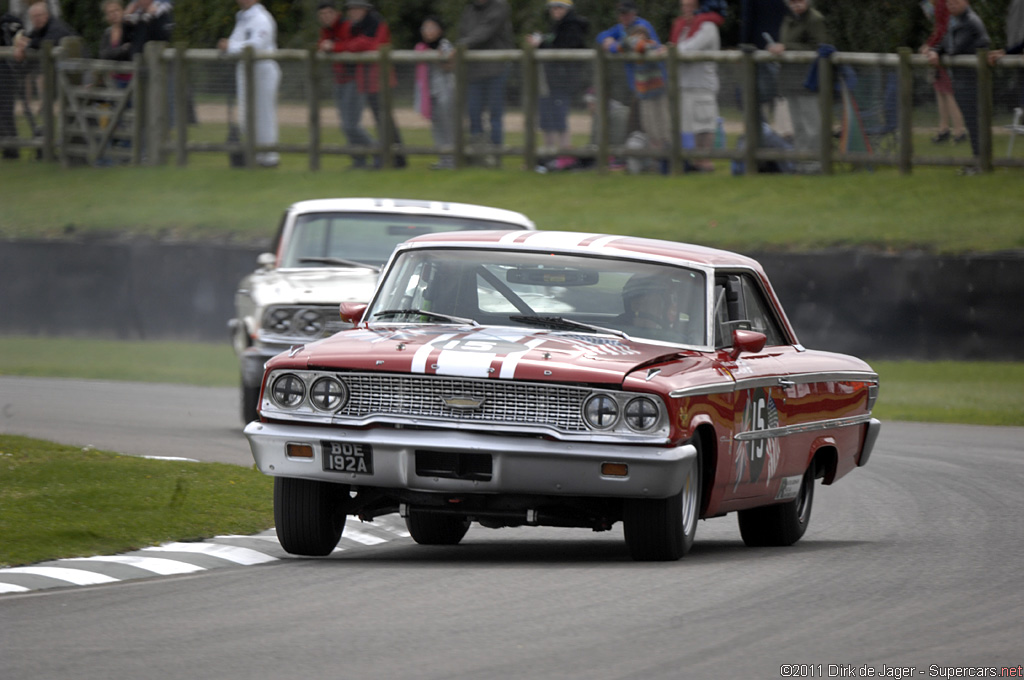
591	244
405	206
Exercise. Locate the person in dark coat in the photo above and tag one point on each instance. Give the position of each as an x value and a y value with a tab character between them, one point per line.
486	25
562	79
966	35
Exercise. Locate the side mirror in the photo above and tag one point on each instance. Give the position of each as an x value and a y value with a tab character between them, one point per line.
746	341
352	312
266	260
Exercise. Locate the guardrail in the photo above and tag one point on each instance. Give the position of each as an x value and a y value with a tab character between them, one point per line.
166	75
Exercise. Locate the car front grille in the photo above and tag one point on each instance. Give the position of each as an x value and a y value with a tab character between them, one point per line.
528	404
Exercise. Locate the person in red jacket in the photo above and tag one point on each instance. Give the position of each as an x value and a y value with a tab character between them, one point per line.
951	121
357	85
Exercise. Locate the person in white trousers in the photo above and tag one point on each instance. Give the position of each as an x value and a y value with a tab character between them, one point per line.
255	27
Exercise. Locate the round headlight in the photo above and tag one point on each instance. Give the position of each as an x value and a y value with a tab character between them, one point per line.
641	414
309	322
288	390
601	411
278	320
328	394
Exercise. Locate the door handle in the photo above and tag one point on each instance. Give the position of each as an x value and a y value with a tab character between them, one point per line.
786	384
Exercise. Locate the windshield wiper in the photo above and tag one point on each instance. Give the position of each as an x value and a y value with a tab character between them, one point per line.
560	323
429	315
339	261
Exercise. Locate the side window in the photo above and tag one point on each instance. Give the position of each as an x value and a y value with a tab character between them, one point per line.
739	303
759	313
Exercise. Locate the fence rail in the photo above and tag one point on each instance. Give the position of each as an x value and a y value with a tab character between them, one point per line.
166	82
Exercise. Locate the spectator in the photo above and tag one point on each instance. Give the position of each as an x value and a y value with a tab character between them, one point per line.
368	32
485	25
1014	33
760	23
649	84
149	20
255	27
951	121
116	42
560	80
698	81
802	30
435	89
613	40
42	27
10	26
966	35
19	8
334	35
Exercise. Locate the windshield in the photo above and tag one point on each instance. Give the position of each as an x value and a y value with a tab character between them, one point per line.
346	239
551	291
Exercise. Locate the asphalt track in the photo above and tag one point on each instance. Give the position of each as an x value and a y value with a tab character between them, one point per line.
912	563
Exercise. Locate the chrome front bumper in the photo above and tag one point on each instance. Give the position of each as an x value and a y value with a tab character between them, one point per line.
520	465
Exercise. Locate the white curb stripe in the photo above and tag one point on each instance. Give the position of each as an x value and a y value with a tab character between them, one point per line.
243	556
11	588
157	565
76	576
362	537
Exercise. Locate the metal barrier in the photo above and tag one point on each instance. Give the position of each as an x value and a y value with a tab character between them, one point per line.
177	109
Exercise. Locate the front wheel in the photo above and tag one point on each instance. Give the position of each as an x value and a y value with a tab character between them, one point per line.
427	528
663	529
309	515
780	524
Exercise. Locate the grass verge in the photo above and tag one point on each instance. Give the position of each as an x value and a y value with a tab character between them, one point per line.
60	501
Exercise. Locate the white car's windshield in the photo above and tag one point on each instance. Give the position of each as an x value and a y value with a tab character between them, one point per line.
347	239
556	292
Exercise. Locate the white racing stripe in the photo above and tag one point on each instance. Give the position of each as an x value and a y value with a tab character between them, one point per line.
419	360
76	576
508	366
556	239
243	556
157	565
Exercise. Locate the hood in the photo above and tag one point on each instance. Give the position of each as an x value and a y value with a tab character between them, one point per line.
488	352
315	286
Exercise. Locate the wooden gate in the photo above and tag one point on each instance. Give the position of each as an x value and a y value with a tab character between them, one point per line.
100	122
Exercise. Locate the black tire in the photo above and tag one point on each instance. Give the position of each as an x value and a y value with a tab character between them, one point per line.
309	515
780	524
428	528
663	529
250	402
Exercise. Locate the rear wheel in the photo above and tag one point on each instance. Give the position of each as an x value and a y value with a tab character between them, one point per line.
427	528
309	515
780	524
663	529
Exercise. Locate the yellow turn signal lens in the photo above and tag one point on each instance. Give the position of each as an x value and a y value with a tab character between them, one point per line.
299	450
614	469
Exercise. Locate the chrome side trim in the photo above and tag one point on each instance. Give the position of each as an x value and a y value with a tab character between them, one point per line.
700	390
814	426
832	376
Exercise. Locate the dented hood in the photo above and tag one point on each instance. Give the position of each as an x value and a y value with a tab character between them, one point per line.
475	352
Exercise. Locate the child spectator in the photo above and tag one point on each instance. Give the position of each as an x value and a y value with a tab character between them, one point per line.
435	88
649	84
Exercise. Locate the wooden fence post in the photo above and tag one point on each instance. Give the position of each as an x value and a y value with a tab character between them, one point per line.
384	132
530	100
460	106
675	139
180	106
313	84
601	102
156	101
984	112
249	120
905	110
826	85
48	68
751	111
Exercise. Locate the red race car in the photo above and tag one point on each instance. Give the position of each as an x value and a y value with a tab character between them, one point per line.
560	379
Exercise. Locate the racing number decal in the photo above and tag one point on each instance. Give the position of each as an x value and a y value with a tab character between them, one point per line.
753	455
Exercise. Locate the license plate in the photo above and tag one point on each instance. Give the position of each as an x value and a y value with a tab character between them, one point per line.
347	457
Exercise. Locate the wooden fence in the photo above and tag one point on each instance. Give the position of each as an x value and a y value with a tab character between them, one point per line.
163	73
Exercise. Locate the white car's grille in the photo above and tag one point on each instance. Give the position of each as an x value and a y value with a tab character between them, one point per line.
456	399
